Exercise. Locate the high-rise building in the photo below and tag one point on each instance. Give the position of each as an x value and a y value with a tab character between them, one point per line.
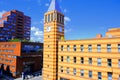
14	24
89	59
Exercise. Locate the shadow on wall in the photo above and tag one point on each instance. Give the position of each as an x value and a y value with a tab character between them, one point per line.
5	71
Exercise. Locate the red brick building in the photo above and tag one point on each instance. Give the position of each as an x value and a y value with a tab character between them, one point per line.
18	57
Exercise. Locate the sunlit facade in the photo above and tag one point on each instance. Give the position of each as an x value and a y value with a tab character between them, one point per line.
89	59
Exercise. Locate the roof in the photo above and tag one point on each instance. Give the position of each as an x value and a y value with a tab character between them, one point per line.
54	6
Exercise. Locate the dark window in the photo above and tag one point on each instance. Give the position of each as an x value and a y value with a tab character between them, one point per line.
74	47
109	62
99	76
62	48
62	58
118	47
74	59
82	60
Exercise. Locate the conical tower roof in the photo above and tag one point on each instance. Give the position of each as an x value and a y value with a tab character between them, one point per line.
54	6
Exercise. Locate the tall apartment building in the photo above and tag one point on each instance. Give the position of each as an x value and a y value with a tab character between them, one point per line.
14	24
18	57
89	59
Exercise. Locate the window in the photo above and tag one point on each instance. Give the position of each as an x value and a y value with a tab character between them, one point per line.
90	74
52	17
68	59
81	72
48	17
118	47
119	63
45	18
98	48
108	47
61	58
74	47
99	76
74	71
82	60
109	61
90	48
68	48
74	59
62	48
99	61
119	77
81	48
90	61
109	76
61	68
68	70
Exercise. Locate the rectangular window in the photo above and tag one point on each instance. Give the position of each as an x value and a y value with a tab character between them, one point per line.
62	48
109	76
98	48
45	18
68	48
82	73
90	61
74	71
99	61
108	47
68	59
68	70
74	47
109	61
48	17
82	60
74	59
119	77
90	74
118	47
99	76
119	63
81	48
52	17
61	69
61	58
89	48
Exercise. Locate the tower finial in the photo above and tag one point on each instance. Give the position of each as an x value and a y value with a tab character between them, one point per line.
54	6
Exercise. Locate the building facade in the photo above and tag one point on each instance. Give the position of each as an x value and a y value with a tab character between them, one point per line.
89	59
18	57
14	24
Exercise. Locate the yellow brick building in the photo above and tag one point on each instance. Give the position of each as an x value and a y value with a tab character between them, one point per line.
90	59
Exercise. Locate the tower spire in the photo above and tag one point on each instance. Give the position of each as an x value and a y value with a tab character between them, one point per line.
54	6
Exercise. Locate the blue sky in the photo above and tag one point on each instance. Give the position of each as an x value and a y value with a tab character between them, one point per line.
83	18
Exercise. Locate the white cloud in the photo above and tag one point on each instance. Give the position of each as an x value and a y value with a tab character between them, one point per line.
1	13
67	19
47	4
64	10
67	28
36	34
